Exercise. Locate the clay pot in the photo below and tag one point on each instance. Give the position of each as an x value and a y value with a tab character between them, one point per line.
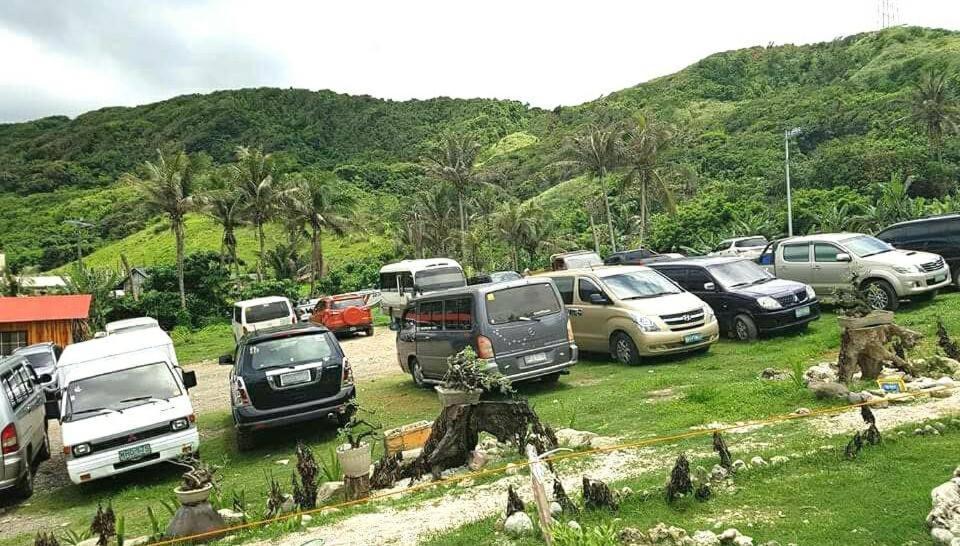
355	461
453	397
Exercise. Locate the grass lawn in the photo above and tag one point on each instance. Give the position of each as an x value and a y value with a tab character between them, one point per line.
613	400
205	343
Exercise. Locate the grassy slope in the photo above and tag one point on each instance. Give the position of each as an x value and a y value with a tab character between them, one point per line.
613	400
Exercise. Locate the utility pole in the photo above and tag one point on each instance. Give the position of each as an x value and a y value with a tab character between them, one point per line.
78	225
786	147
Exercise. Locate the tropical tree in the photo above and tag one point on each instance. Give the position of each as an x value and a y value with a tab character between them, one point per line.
228	210
253	174
837	217
646	139
452	160
892	204
597	150
100	284
285	261
521	227
434	213
935	108
165	188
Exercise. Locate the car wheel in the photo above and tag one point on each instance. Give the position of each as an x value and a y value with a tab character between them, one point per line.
24	488
744	328
416	372
44	449
881	296
623	349
244	440
550	379
370	331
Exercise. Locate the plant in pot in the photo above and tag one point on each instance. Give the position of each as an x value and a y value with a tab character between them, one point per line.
197	482
468	377
355	453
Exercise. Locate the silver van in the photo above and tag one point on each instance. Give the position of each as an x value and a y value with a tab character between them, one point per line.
520	327
23	426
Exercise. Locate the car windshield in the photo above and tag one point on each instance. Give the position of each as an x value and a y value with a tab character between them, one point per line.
640	284
577	261
120	390
440	278
288	351
343	304
739	273
503	276
40	361
528	302
267	311
864	245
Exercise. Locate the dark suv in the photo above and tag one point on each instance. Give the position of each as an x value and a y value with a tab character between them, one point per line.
746	298
936	234
287	375
637	256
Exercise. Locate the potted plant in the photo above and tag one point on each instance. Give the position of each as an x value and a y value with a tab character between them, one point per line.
467	378
853	309
197	483
355	454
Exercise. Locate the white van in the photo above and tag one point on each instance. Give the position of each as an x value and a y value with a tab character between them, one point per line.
128	325
260	313
124	404
402	281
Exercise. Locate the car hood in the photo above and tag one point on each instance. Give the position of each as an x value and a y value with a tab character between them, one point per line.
665	305
902	258
107	425
776	287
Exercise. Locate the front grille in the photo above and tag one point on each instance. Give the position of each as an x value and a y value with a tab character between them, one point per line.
793	299
684	321
934	265
130	438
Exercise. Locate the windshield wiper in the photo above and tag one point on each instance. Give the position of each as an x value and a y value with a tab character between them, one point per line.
646	296
145	399
763	280
94	410
739	284
875	253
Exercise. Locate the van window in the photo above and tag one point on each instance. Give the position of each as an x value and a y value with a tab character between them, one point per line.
458	314
430	316
796	253
347	303
722	246
11	341
120	390
267	311
521	303
288	351
236	314
17	385
388	282
586	289
565	287
440	278
753	241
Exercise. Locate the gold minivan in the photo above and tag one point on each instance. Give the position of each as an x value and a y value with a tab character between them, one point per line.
633	312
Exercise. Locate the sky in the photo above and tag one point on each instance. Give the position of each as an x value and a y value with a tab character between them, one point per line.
68	57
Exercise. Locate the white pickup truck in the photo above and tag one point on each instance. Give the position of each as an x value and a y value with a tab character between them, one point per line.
830	261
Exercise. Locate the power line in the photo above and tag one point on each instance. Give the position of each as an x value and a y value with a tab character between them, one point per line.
888	13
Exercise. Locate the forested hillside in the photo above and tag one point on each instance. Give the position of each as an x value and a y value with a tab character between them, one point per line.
717	171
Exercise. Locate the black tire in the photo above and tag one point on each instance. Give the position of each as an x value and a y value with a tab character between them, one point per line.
926	296
623	349
24	488
550	379
956	279
245	441
416	372
369	331
44	454
880	295
744	328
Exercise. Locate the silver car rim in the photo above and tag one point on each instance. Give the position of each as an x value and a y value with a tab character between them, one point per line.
741	330
877	297
624	351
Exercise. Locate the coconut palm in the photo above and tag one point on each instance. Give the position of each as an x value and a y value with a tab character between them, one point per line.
165	188
228	210
934	107
452	160
434	211
646	139
521	227
253	175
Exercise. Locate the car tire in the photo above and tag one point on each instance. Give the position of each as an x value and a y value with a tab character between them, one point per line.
623	349
744	328
44	454
416	372
24	488
369	331
880	295
550	379
245	441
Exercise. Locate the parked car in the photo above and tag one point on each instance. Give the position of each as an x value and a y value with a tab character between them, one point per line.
123	405
744	247
344	313
634	311
936	234
130	325
287	375
43	359
746	298
304	309
638	256
23	427
496	276
520	327
832	261
402	281
259	313
575	260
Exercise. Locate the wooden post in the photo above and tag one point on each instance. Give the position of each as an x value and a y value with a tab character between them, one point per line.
538	473
356	487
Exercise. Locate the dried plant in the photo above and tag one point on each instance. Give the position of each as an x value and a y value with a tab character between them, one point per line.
45	539
275	498
514	503
721	448
467	372
305	493
356	430
703	491
597	494
104	524
867	415
199	475
560	495
853	448
679	483
872	435
949	347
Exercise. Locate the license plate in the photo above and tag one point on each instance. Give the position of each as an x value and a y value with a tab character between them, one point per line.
135	453
534	359
692	338
938	279
294	378
803	311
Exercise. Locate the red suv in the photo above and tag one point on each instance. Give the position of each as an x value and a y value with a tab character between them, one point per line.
344	313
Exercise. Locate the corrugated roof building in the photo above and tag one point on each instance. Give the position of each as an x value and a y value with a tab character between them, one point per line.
36	319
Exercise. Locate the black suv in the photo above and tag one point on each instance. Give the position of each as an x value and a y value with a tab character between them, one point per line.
287	375
637	256
936	234
746	298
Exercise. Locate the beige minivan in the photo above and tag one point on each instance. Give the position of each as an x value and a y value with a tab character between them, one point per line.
633	312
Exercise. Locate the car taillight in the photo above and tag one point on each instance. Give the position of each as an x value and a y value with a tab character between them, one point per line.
569	331
240	395
484	347
8	439
347	378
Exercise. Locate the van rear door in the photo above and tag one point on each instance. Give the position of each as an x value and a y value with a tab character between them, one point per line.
526	325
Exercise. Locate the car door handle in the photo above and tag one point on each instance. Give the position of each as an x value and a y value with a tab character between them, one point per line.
575	312
423	337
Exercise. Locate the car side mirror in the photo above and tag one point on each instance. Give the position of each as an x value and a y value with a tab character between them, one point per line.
710	287
844	257
599	299
44	378
52	409
189	379
226	360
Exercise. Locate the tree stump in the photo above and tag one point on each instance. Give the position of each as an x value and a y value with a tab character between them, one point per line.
869	349
386	471
560	495
195	519
356	488
597	494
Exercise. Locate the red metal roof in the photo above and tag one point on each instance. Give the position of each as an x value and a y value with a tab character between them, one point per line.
40	308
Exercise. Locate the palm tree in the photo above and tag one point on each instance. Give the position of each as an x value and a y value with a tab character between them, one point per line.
228	210
645	141
254	178
521	227
934	107
452	160
318	203
285	261
166	189
597	150
100	284
434	212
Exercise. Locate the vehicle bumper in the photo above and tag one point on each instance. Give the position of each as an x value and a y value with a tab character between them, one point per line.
776	321
911	285
251	418
106	463
350	329
672	342
14	466
560	357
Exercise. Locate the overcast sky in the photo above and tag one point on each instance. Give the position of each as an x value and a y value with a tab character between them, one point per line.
68	57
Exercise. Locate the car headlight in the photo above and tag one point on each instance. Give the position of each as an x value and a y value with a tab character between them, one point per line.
80	450
769	303
811	293
179	424
920	268
904	270
646	324
707	313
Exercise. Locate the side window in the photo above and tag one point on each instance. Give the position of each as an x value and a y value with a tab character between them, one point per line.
17	386
696	278
674	274
944	230
565	287
722	246
406	282
586	289
11	341
823	252
237	314
388	282
796	253
457	314
430	317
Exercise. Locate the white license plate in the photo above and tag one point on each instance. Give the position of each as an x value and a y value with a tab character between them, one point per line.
803	311
538	358
134	453
938	279
692	338
294	378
